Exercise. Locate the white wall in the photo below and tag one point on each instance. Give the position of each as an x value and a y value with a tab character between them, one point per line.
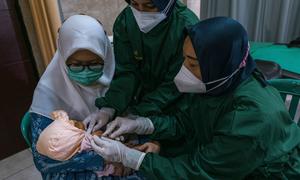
106	10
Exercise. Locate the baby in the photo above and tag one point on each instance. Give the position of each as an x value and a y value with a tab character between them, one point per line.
63	138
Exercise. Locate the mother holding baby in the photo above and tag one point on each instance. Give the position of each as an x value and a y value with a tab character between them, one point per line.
148	55
80	71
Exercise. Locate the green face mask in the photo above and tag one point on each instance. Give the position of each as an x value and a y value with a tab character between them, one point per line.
85	77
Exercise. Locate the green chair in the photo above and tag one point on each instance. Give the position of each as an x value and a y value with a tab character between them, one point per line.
291	88
26	129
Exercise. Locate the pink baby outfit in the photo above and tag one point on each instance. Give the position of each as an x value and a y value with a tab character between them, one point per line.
61	139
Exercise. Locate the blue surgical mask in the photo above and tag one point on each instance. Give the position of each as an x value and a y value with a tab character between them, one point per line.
86	77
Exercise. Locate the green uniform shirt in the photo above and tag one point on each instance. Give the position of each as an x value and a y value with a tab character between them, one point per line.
147	63
247	133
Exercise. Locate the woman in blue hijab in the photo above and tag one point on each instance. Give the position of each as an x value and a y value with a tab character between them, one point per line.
237	125
221	49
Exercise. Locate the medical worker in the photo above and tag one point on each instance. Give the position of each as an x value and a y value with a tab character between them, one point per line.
237	125
148	40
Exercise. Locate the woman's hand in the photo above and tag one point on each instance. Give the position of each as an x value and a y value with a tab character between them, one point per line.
98	119
115	151
121	126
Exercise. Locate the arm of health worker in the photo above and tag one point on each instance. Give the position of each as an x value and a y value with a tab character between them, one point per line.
124	84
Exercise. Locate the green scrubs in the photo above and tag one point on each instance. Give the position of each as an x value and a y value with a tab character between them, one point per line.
147	63
244	134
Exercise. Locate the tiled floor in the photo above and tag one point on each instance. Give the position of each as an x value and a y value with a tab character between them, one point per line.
19	167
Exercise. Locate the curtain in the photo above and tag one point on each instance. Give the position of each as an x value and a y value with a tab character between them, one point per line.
265	20
46	21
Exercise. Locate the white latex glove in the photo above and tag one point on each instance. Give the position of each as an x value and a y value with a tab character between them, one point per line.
114	151
98	119
121	126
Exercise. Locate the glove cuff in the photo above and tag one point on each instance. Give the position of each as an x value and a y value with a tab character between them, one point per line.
141	159
109	111
133	159
145	126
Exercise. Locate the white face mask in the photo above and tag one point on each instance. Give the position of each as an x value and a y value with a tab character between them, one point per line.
147	20
187	82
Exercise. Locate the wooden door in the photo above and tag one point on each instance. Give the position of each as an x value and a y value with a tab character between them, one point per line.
18	77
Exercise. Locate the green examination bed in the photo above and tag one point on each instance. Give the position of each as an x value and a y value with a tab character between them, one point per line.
287	58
